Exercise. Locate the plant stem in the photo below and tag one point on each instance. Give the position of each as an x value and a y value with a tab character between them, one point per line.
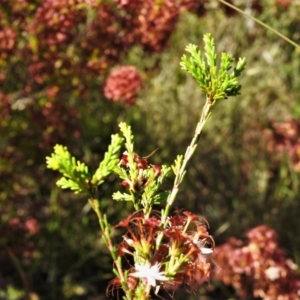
261	23
106	231
21	272
187	156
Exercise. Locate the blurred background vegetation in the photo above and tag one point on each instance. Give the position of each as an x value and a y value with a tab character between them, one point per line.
54	59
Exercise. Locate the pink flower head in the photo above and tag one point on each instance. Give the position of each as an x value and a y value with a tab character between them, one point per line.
123	84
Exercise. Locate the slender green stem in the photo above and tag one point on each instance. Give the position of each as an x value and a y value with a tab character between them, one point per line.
106	231
21	272
261	23
187	156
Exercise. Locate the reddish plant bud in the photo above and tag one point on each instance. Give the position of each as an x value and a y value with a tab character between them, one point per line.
124	159
190	216
113	285
157	170
122	249
131	283
152	222
177	221
130	219
126	183
141	163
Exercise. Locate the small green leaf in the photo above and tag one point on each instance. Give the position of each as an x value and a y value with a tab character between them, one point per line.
177	164
118	196
110	161
75	173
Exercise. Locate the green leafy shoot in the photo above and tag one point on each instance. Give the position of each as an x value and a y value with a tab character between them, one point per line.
216	82
129	145
177	164
75	173
130	172
152	193
118	196
142	180
110	161
149	193
129	138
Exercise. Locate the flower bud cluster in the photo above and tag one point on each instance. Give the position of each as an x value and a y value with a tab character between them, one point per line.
181	257
258	268
143	177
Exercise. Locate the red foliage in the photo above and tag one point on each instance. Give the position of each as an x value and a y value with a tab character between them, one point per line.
257	268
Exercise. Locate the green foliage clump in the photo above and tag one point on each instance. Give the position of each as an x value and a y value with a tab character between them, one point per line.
216	84
75	173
